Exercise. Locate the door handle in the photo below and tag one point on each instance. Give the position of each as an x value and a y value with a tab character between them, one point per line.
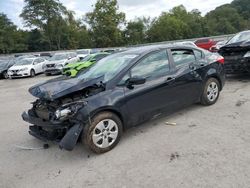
170	78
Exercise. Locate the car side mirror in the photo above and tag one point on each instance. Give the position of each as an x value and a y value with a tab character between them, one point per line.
93	60
135	81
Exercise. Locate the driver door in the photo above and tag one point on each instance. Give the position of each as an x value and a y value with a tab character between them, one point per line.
156	95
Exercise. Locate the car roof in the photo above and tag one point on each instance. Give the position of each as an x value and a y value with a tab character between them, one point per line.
147	49
61	53
100	53
247	31
31	58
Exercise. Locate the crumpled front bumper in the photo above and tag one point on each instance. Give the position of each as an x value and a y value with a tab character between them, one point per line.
63	133
234	65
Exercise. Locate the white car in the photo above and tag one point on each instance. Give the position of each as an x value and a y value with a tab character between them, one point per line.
56	63
83	53
26	67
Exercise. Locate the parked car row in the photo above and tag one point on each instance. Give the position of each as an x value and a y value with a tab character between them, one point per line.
60	63
236	52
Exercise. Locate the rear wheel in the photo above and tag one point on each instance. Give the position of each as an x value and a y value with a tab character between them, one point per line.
32	73
103	132
211	92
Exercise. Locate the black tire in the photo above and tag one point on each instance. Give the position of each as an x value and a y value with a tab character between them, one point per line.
89	129
32	73
47	74
5	75
205	98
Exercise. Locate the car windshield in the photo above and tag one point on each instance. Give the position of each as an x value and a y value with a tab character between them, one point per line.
58	57
245	36
2	63
108	67
25	62
83	52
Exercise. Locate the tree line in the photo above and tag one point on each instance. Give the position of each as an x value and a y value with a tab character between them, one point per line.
51	26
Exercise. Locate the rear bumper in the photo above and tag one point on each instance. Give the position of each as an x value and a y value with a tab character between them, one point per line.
235	66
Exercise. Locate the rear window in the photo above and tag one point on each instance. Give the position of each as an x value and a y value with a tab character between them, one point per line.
198	54
182	56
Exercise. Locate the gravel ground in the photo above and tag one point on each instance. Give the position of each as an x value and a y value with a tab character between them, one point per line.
209	147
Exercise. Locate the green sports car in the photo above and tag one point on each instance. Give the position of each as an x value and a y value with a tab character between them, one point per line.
73	69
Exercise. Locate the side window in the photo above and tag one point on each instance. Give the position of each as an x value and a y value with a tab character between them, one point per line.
198	54
182	56
153	66
124	79
36	61
40	60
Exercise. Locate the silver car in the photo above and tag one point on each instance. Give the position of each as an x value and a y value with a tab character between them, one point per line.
55	64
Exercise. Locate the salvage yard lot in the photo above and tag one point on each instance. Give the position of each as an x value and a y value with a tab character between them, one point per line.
209	147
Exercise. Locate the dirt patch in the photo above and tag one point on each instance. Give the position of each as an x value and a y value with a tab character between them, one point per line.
174	156
241	102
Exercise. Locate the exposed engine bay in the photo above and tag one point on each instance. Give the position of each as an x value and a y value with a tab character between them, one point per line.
54	120
64	107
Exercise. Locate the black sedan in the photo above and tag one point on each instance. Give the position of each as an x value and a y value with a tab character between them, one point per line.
5	64
237	54
122	91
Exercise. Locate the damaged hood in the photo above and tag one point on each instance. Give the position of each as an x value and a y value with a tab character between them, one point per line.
59	87
238	46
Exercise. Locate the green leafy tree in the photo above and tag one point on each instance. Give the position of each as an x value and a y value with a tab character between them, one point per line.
105	23
47	16
135	32
167	27
36	41
243	8
11	39
224	20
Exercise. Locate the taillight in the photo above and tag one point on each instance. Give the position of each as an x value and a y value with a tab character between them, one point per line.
221	60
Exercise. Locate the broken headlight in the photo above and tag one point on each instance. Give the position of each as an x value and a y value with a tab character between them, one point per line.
68	110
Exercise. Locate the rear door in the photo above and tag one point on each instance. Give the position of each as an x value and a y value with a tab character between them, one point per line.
36	65
41	64
188	79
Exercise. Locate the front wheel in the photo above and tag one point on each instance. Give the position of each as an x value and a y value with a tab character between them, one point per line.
103	132
211	92
32	73
5	75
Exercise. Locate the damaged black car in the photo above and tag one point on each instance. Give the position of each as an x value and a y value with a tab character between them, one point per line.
121	91
237	53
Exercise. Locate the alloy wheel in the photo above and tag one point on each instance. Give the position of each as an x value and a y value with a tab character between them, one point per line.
105	133
212	91
5	75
